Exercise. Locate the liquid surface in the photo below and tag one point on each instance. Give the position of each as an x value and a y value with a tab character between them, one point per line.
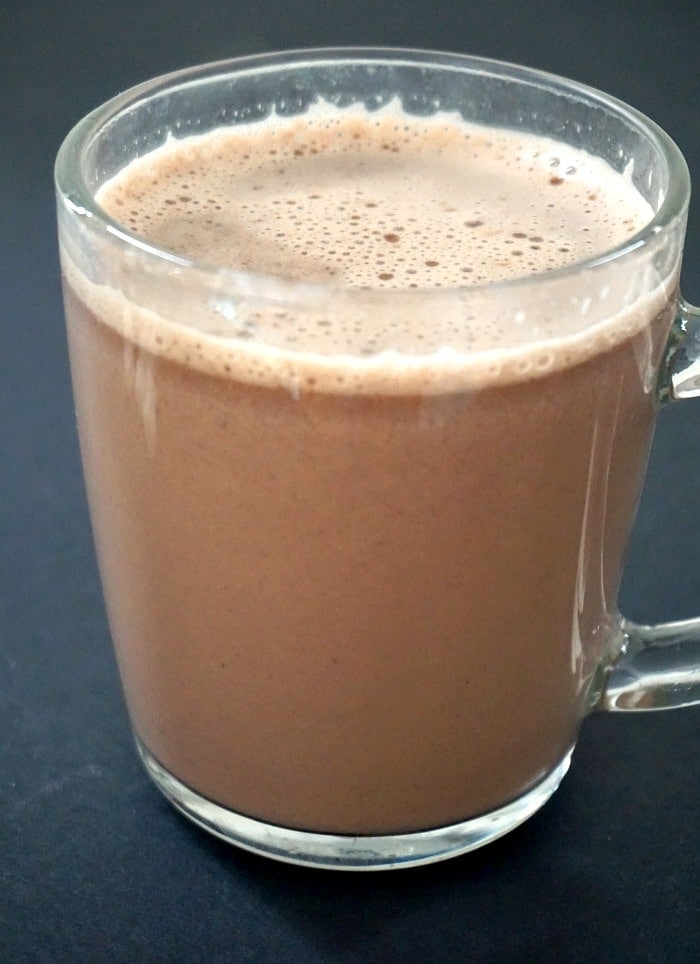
391	212
386	201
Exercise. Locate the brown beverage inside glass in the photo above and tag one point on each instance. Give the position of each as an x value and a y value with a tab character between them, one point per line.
365	393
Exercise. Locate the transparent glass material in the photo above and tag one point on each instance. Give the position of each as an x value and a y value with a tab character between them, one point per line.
360	627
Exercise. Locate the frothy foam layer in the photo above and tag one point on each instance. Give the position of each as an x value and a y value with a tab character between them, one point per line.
400	206
377	201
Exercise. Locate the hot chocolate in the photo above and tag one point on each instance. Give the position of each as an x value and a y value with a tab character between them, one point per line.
360	568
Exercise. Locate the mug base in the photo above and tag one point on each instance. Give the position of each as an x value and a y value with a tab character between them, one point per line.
347	852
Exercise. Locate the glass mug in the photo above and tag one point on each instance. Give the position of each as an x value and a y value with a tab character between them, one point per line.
359	627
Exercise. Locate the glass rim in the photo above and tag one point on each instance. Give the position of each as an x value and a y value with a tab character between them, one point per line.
78	197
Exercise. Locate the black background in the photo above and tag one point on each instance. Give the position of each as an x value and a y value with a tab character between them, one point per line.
94	865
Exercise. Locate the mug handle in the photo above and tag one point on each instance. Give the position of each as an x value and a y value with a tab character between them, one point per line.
658	667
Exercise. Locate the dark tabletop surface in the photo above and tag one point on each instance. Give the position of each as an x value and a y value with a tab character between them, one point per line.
94	865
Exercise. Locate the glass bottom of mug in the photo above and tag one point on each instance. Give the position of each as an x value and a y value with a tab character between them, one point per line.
341	852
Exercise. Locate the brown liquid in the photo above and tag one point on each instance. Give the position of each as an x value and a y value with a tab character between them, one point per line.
348	610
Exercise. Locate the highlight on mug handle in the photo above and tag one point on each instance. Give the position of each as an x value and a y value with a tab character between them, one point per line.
658	667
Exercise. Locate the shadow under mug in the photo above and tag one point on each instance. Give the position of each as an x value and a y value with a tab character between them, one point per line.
359	628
